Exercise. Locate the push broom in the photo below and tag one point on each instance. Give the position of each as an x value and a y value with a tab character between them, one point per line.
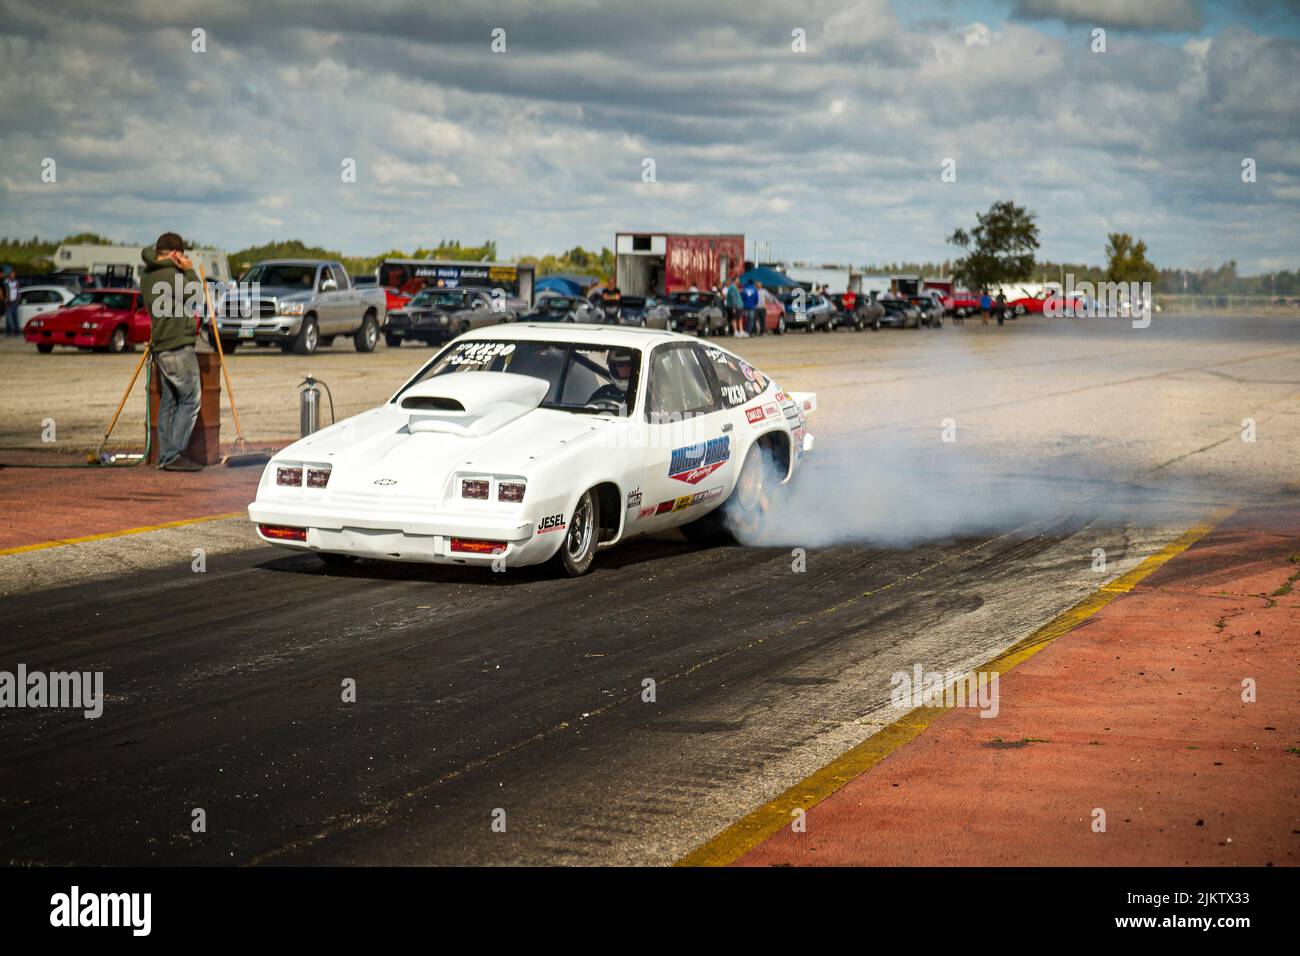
241	457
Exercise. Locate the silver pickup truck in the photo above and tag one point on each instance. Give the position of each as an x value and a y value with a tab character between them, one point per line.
300	304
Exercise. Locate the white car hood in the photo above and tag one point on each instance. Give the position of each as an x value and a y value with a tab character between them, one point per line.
473	423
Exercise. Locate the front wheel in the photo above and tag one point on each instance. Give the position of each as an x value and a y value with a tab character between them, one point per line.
117	342
578	550
44	349
308	337
367	336
780	325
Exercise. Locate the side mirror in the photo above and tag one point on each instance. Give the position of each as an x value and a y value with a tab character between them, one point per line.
329	285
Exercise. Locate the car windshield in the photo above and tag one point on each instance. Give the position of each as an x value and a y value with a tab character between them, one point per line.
688	298
432	298
281	275
633	302
557	304
113	300
582	377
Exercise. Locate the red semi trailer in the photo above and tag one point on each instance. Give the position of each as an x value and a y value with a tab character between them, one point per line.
659	263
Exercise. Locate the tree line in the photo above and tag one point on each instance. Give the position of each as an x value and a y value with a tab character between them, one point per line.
999	249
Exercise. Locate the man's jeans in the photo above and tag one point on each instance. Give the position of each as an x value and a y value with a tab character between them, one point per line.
11	319
178	409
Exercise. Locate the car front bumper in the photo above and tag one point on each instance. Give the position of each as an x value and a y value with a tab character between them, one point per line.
391	536
276	329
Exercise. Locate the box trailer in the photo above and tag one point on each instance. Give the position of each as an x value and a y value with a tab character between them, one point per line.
124	262
660	263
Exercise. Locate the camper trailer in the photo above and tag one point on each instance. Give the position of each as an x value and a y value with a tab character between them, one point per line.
121	265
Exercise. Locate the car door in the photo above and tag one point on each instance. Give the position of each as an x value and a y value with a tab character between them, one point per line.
328	312
689	460
139	329
348	301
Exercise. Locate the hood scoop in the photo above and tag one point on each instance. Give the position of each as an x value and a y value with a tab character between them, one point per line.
470	404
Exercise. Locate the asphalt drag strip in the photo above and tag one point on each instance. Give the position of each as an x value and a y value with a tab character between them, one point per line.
482	698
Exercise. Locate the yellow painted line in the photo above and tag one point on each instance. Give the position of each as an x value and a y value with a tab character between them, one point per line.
765	821
119	534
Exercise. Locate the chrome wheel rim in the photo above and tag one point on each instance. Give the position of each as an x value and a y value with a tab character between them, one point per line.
372	333
312	337
578	540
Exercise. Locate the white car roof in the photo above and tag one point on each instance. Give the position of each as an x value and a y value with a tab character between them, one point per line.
46	288
627	336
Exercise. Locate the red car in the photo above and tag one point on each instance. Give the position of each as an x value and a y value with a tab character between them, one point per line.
773	312
397	299
106	320
961	304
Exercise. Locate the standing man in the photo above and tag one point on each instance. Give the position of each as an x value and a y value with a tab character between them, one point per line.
11	302
986	304
168	280
611	298
749	301
735	307
1001	306
760	313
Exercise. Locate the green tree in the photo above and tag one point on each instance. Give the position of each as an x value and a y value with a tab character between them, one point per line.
1126	260
999	249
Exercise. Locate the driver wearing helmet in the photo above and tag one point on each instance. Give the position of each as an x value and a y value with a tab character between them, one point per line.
619	362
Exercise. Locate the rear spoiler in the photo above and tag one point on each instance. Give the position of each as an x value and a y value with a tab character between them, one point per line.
805	400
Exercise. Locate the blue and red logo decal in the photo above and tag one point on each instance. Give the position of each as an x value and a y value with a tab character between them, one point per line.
694	463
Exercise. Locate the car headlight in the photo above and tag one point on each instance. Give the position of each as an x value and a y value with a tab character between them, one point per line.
442	320
292	308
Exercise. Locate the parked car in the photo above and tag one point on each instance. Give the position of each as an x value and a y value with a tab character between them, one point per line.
960	304
642	311
435	315
300	304
106	320
865	314
34	300
931	311
561	308
527	444
773	312
900	314
698	312
809	311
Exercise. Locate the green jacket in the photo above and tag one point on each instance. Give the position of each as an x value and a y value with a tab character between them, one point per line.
171	325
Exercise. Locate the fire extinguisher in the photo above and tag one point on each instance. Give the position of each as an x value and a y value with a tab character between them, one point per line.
309	405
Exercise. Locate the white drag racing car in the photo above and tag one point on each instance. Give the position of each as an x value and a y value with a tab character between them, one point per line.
533	442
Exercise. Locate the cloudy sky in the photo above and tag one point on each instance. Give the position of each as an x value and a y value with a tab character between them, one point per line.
830	154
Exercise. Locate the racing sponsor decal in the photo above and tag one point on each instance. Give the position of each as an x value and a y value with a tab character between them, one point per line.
479	353
699	498
771	410
682	502
694	463
634	498
755	415
648	512
551	523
